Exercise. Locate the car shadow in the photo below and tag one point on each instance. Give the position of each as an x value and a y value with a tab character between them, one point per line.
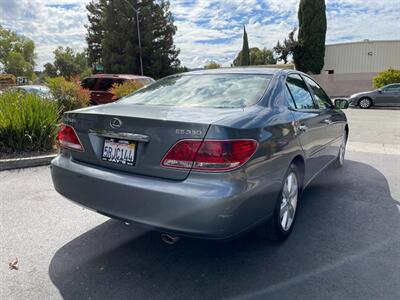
345	217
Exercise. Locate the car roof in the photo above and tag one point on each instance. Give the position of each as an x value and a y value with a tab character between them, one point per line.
241	70
122	76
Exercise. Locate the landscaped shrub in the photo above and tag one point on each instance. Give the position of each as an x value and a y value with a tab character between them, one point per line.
69	94
7	79
27	122
126	88
387	77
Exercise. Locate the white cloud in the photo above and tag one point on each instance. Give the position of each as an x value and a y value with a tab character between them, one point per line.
202	23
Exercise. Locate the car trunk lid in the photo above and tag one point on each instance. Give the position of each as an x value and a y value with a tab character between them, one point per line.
154	130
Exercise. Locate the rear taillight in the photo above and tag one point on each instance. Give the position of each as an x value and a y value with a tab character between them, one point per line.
68	138
210	155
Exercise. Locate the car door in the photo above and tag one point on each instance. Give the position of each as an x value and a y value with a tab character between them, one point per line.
395	101
332	117
391	95
386	96
309	124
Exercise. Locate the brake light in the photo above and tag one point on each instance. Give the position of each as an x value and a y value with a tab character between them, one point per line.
68	138
210	155
182	154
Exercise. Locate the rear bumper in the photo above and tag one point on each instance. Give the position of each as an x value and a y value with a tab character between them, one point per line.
213	206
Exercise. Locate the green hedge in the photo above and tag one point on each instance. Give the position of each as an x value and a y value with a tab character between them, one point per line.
27	122
387	77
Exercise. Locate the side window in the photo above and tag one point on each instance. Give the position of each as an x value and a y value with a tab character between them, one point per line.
324	102
89	83
392	88
299	91
105	84
289	98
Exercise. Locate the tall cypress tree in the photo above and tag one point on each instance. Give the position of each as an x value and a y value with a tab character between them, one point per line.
95	32
310	52
245	57
117	29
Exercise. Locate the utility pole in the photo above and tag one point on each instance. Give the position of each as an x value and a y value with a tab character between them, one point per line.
138	31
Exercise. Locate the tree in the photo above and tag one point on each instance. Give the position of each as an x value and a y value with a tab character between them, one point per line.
310	52
17	53
212	65
245	53
50	70
95	32
113	38
16	64
262	57
288	47
181	69
68	64
257	57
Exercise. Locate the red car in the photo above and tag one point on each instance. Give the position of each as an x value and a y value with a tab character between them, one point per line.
100	84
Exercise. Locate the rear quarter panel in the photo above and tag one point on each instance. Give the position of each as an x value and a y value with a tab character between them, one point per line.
273	128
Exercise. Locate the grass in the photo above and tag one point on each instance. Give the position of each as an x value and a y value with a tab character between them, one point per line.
27	122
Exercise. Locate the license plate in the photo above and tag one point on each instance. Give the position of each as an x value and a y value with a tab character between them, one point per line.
119	152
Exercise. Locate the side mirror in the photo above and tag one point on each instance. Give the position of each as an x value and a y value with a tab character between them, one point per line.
380	91
341	103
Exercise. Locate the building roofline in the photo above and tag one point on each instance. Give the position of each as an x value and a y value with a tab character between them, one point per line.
364	42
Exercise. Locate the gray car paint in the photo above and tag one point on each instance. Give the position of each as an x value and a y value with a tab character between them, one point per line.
379	97
207	205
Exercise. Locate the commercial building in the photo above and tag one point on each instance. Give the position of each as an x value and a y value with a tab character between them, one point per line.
350	67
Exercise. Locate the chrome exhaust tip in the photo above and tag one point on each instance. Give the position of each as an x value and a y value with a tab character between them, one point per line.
169	239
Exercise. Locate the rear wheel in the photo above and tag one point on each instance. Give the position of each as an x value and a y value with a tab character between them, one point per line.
365	103
279	227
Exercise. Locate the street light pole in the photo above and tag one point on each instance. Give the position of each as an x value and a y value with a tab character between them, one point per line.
140	42
138	31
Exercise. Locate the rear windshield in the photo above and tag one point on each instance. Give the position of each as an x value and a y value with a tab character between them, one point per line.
219	90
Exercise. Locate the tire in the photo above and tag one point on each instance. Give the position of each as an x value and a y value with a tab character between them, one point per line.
275	229
365	103
342	152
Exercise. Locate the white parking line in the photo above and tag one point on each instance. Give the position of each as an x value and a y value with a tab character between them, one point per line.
391	149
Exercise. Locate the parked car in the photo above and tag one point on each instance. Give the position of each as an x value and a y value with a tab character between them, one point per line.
40	90
100	85
387	96
209	154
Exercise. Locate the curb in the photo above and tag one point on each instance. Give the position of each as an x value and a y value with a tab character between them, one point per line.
26	162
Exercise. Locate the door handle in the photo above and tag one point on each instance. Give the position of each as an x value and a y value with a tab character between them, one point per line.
328	122
302	128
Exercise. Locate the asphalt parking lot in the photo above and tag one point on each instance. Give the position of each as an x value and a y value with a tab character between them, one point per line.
346	243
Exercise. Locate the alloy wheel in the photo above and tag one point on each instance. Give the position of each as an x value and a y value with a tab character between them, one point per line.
288	206
342	151
365	103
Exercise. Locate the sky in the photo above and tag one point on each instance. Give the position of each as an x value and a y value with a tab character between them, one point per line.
207	29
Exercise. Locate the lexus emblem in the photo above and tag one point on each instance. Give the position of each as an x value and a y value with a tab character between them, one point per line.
115	123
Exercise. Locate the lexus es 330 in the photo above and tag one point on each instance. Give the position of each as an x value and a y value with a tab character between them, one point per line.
207	154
